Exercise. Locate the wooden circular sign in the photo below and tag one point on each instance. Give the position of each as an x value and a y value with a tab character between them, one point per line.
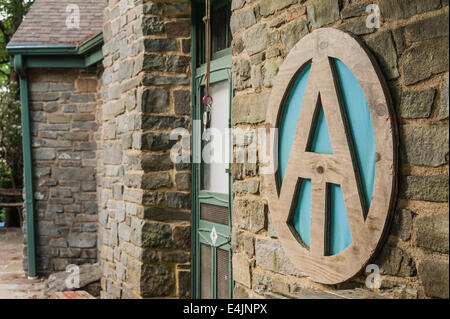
331	197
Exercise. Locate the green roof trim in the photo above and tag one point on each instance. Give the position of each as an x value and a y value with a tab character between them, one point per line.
60	56
92	44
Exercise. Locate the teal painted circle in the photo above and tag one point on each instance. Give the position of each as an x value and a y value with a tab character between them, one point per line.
362	136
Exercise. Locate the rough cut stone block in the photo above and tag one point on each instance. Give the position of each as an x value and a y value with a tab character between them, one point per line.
153	8
237	4
241	72
237	45
180	28
357	27
156	162
77	174
152	25
154	79
241	293
402	224
434	275
322	12
183	181
156	180
395	261
270	70
112	154
184	284
383	47
249	215
355	9
178	200
425	145
82	240
417	104
39	86
243	242
176	9
177	63
177	257
402	9
44	154
155	100
182	236
182	102
154	122
271	256
432	232
268	7
157	281
428	188
249	108
90	208
242	20
159	45
292	33
241	270
256	39
58	118
164	214
152	235
156	141
154	199
153	62
429	28
46	228
424	60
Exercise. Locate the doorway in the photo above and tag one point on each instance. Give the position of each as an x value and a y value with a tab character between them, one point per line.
212	195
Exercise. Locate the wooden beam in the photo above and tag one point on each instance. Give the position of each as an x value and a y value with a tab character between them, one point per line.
10	192
11	204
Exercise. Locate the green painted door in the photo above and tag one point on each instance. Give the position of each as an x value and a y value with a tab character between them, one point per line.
212	196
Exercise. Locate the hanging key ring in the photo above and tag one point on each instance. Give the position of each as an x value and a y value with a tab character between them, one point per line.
208	101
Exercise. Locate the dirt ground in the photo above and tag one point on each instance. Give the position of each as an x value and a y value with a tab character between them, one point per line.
14	284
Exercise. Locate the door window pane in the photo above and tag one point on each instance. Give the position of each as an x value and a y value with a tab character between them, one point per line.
220	28
215	155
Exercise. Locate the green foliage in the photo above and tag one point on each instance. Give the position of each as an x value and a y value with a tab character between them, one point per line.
10	137
11	15
11	163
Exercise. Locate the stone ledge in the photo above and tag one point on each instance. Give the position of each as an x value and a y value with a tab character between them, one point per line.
338	294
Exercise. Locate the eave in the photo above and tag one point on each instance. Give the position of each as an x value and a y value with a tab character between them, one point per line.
59	55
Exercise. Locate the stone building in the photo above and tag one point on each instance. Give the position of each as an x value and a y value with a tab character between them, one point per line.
105	83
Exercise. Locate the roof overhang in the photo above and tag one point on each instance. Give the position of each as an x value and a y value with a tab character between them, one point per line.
38	55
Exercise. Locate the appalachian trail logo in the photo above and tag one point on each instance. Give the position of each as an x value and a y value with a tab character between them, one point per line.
331	198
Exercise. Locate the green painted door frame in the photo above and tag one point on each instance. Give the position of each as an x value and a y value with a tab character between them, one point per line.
201	229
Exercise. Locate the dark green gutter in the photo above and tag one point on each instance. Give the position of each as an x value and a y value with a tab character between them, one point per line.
44	56
27	164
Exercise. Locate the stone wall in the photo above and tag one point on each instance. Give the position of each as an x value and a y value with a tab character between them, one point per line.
145	198
412	48
64	105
